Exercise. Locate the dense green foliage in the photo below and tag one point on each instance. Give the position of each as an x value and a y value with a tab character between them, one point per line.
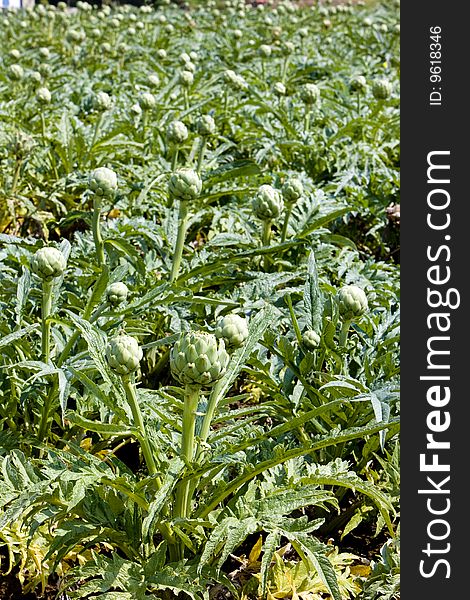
182	167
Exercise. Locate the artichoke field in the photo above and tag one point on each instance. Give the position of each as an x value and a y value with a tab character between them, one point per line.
199	301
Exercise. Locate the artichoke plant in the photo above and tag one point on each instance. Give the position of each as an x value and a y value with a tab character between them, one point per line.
310	93
205	125
198	358
310	339
117	293
185	184
233	329
382	89
352	302
103	182
48	263
267	204
176	132
123	354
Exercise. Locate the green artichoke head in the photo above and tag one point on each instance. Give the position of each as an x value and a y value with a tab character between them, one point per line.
43	95
358	84
279	88
198	358
233	329
147	101
123	354
267	204
352	302
103	182
310	339
117	293
292	190
310	93
382	89
15	72
176	132
205	125
186	78
185	184
48	263
101	101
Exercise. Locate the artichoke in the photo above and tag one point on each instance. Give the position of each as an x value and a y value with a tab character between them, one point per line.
147	101
279	88
16	72
117	293
123	354
205	125
198	358
103	182
310	93
154	79
185	184
268	203
358	83
43	95
292	190
310	339
382	89
352	302
233	329
264	50
176	132
48	263
101	101
186	78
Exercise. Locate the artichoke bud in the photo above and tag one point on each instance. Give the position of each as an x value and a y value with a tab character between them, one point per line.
310	93
352	302
16	72
233	329
292	190
198	358
358	84
101	101
103	182
279	88
117	293
205	125
186	78
310	339
147	101
264	51
43	95
382	89
185	184
267	204
176	132
123	354
48	263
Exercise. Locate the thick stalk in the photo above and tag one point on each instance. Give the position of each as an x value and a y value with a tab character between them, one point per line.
129	387
99	245
191	400
145	119
343	335
45	324
295	323
286	222
174	159
266	240
202	149
16	177
178	253
43	127
95	135
186	99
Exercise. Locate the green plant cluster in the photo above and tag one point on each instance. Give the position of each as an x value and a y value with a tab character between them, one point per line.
199	300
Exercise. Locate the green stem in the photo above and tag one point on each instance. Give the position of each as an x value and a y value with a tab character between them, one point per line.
174	159
202	149
284	69
145	119
16	177
178	253
45	324
95	135
286	222
343	335
99	245
186	99
43	127
295	323
266	240
191	400
131	395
